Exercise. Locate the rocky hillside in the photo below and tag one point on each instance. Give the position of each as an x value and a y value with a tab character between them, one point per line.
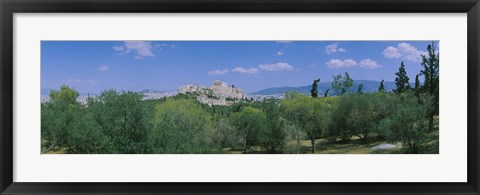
220	93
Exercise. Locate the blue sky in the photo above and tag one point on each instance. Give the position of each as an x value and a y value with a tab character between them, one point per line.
93	66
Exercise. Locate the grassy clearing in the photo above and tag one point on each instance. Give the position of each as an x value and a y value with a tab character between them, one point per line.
355	146
324	146
46	149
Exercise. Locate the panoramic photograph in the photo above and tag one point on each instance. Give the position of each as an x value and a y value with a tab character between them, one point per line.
240	97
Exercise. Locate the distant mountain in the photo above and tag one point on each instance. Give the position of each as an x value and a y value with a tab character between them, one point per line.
368	86
46	92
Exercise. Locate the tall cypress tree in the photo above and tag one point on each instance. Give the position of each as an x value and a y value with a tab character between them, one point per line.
360	87
402	80
314	90
382	86
417	86
430	72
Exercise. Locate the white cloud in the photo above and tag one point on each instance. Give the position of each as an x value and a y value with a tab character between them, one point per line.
279	53
104	68
141	48
73	81
336	63
118	48
218	72
284	41
245	70
333	48
404	51
391	52
369	64
276	67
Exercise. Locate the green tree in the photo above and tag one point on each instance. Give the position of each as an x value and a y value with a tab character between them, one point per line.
314	90
402	80
342	85
381	88
363	115
308	114
326	92
125	119
273	138
58	115
417	88
225	135
360	87
249	122
408	124
48	125
87	137
293	130
64	97
181	126
338	129
358	114
430	72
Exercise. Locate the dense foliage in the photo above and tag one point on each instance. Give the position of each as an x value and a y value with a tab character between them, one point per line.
121	122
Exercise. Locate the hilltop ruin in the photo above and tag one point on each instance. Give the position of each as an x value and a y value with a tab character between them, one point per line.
220	93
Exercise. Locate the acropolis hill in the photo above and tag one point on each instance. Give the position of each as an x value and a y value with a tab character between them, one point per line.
220	93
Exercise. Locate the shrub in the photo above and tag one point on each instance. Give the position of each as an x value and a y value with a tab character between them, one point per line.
308	114
249	123
181	126
58	115
359	114
124	117
86	137
225	135
408	124
293	137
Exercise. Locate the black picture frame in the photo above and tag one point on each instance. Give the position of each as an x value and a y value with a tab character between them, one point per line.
9	7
